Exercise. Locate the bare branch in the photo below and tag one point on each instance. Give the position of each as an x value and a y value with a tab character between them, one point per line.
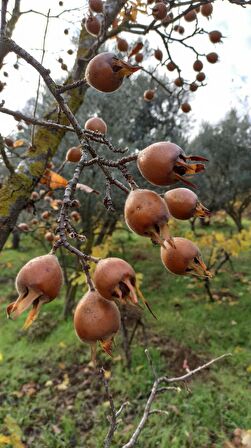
113	414
39	78
3	16
44	123
193	372
5	157
151	364
14	18
155	389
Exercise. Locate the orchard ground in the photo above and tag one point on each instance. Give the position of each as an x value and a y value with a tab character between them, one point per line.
50	396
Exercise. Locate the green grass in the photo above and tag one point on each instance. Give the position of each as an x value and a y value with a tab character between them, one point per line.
51	391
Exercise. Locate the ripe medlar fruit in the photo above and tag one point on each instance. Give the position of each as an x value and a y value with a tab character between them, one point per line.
106	72
185	259
39	281
96	319
184	204
146	213
165	163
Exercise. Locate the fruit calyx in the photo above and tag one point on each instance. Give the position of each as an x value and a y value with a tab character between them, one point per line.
38	282
165	163
115	278
184	204
185	259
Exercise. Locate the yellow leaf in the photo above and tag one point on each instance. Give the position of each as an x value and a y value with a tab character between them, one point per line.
15	432
53	180
107	374
249	369
5	440
62	344
1	357
18	143
246	438
239	349
65	383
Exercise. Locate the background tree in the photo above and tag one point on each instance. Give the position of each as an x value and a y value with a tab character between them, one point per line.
226	184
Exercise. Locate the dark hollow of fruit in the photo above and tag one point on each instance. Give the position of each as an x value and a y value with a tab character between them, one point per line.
114	277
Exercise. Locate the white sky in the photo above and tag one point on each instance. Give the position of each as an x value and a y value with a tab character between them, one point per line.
228	82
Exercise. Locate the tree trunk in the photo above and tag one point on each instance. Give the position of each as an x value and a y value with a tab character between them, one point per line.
15	239
208	289
70	300
237	218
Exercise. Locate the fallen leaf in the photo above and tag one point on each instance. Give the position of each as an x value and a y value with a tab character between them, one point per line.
65	383
228	444
107	374
56	429
15	432
29	389
1	357
246	438
5	440
61	365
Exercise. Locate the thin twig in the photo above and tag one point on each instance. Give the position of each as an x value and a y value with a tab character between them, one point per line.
39	78
5	157
155	389
113	414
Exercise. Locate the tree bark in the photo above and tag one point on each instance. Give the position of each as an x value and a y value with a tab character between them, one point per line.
15	239
70	300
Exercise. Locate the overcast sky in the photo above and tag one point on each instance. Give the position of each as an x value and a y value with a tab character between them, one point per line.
228	82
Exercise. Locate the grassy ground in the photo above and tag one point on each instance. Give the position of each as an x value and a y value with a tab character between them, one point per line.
52	398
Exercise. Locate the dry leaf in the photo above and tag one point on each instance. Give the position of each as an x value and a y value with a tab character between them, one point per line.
246	438
53	180
65	383
107	374
56	429
18	143
5	440
55	204
86	188
61	365
29	389
228	444
15	432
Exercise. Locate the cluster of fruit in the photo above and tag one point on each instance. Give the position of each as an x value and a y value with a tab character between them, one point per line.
97	316
162	14
92	21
